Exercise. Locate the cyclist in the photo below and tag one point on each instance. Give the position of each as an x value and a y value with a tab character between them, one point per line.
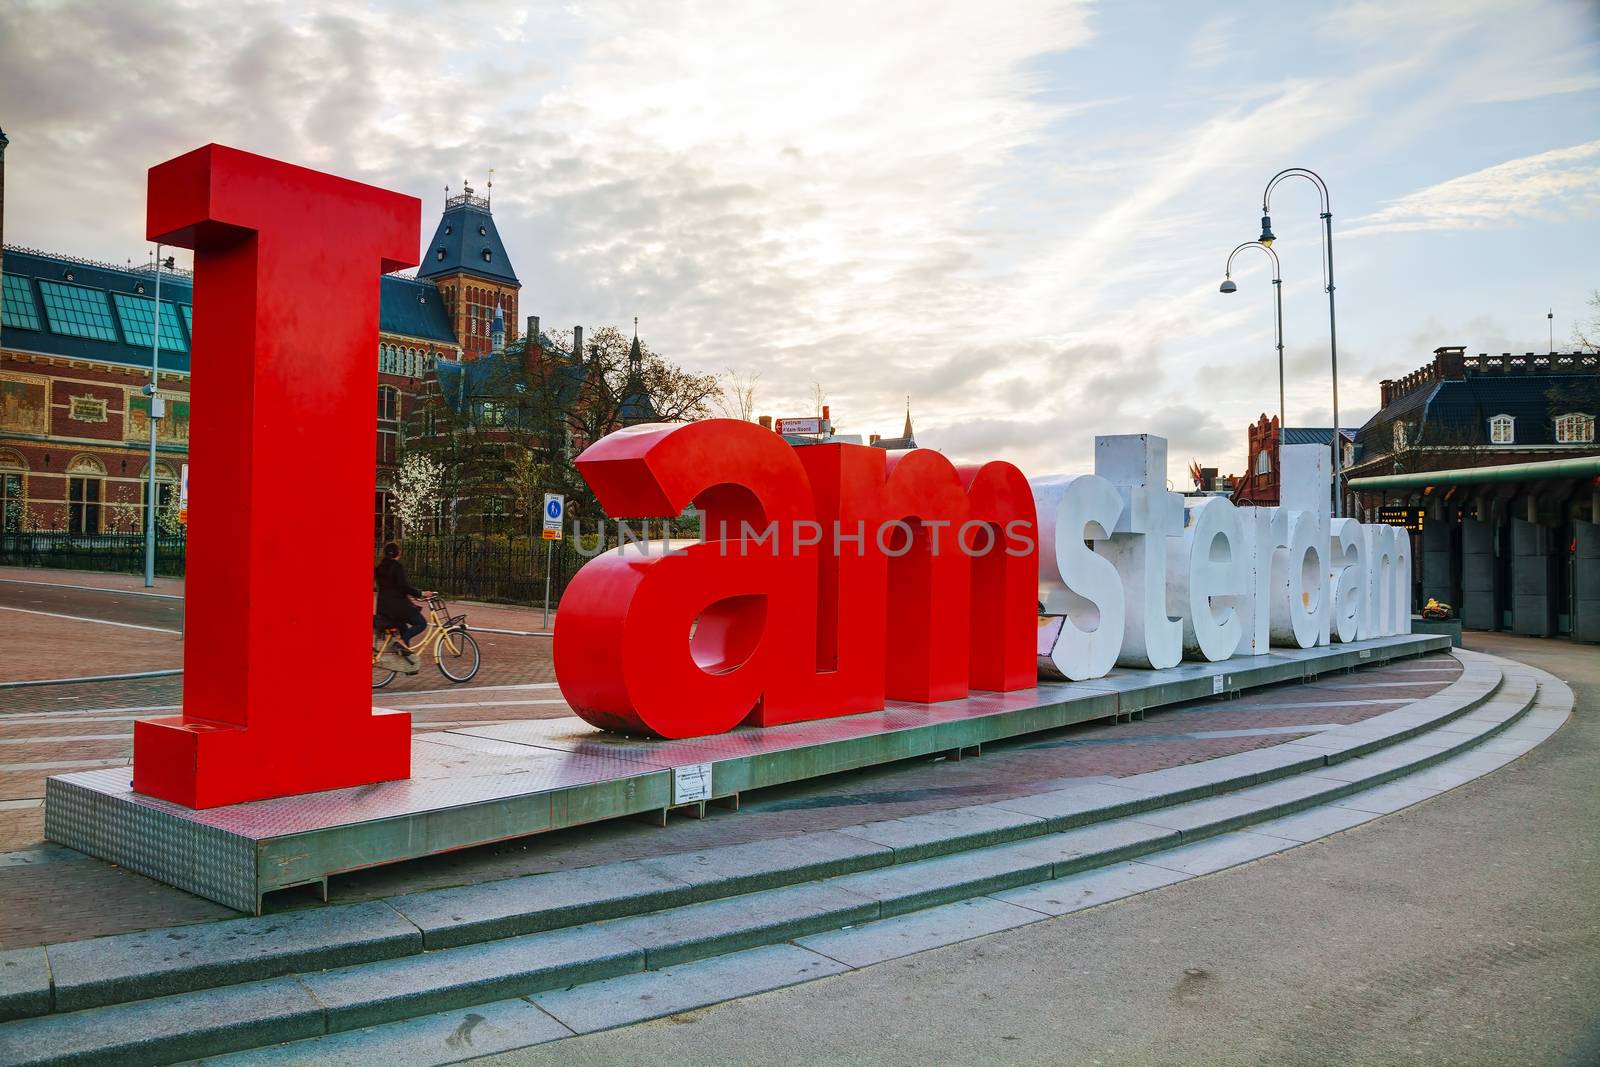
396	601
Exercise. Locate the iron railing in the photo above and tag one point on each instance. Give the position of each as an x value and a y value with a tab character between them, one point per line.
511	570
91	552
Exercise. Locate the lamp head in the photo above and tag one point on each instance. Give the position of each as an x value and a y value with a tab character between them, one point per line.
1267	236
1228	286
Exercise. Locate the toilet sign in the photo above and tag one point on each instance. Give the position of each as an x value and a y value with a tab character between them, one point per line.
555	509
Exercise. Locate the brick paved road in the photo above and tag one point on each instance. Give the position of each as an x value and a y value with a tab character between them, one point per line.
49	894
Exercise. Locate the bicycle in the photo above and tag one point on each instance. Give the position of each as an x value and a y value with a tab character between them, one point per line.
454	650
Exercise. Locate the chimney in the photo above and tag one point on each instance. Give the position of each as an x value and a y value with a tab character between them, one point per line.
1385	392
874	438
765	421
577	344
533	329
824	413
1449	363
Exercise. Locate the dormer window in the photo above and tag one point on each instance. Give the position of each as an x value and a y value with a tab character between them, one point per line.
439	255
1502	430
448	230
1574	429
487	255
482	232
1400	442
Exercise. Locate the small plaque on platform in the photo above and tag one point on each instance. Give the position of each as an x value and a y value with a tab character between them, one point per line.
691	784
1216	684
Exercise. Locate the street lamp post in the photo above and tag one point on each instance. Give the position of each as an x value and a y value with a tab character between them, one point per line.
155	414
1267	238
1277	295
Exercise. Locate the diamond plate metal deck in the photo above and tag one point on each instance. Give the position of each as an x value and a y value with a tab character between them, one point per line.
476	785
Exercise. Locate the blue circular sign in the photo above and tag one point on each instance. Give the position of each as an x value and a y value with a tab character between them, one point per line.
552	508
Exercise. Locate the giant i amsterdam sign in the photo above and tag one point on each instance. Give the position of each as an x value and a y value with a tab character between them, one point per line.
830	580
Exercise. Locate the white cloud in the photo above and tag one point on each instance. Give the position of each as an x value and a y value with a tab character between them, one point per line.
1018	215
1560	183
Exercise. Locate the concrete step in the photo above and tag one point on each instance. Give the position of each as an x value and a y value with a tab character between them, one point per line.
853	880
679	987
111	970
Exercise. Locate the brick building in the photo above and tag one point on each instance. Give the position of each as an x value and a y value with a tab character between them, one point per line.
75	355
1258	485
1460	410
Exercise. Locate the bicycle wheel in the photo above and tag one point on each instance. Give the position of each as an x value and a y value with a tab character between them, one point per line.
381	676
457	654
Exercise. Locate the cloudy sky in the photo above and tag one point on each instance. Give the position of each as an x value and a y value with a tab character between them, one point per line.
1015	213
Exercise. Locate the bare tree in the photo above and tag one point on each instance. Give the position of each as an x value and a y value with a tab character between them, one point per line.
1586	336
736	396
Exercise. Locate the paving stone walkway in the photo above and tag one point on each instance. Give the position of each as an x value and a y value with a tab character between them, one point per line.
49	894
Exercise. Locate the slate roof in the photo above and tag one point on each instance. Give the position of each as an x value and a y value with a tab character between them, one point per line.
1458	411
92	308
466	240
414	308
1465	407
495	376
636	406
89	304
1314	435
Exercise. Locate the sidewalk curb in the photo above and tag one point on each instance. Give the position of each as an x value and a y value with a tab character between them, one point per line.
185	1025
134	676
458	917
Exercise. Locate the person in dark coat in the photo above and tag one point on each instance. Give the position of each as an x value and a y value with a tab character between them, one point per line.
395	593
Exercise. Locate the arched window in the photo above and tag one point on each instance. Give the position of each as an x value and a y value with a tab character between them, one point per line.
388	423
13	490
85	491
1574	428
166	496
1502	430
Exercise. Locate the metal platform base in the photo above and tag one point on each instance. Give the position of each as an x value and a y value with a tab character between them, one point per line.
476	785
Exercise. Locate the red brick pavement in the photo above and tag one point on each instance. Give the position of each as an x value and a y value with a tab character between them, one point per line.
58	899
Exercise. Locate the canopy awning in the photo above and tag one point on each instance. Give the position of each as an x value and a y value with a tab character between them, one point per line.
1576	467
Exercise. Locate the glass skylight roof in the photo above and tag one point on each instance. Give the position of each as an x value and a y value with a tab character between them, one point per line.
77	311
135	312
17	308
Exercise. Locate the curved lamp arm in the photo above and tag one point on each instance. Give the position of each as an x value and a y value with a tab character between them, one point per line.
1297	172
1327	284
1277	299
1277	268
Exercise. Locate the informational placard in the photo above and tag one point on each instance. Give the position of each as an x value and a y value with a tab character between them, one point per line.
1405	518
183	495
801	426
555	510
691	784
1217	682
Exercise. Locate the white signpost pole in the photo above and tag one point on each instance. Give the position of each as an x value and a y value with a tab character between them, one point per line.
555	507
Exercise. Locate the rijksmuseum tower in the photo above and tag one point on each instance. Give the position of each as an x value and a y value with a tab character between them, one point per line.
76	348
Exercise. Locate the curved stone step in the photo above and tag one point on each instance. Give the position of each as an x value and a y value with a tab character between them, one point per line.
112	970
237	1016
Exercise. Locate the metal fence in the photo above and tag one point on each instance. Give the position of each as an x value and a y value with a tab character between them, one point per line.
511	570
91	552
489	567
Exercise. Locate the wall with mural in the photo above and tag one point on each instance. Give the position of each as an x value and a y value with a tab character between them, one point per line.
24	404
